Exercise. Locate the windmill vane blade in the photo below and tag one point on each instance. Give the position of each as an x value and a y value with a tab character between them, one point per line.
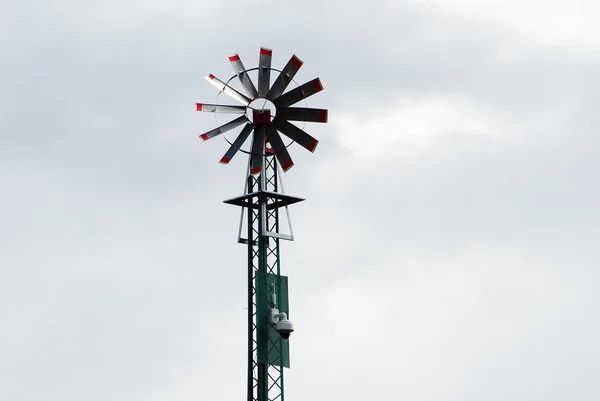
218	108
228	90
296	134
243	76
258	149
237	144
224	128
299	93
285	77
281	152
264	71
303	114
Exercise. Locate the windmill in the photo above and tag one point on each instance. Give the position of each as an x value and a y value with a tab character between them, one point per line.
264	112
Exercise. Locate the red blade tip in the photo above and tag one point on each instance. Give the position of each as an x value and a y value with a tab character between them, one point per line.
204	137
211	76
198	106
324	116
296	61
318	84
265	51
224	160
255	170
287	166
235	57
313	145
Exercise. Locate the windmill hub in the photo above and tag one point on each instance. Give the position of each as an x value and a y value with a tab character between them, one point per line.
261	111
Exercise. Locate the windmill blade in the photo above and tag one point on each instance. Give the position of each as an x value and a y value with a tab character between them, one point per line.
224	128
285	77
299	93
281	152
237	144
264	71
258	149
303	114
223	87
296	134
220	108
243	76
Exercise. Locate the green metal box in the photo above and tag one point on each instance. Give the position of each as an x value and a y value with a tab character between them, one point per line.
271	348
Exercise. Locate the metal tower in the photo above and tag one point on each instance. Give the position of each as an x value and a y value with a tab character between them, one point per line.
266	112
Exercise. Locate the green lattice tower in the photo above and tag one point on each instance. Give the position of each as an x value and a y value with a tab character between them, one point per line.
268	353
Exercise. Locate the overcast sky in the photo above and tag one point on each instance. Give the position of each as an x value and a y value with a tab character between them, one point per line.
447	250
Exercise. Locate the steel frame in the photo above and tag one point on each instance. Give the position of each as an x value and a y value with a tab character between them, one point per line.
268	353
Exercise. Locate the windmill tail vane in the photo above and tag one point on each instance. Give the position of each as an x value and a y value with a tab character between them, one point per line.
266	111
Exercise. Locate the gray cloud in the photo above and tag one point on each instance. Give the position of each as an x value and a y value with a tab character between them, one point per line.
458	266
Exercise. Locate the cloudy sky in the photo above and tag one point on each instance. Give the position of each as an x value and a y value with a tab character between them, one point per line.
447	250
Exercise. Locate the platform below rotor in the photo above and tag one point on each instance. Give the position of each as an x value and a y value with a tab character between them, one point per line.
275	200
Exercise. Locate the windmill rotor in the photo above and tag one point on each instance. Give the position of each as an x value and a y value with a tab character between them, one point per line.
266	111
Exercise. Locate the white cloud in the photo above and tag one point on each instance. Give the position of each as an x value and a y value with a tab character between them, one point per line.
418	320
550	23
411	124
